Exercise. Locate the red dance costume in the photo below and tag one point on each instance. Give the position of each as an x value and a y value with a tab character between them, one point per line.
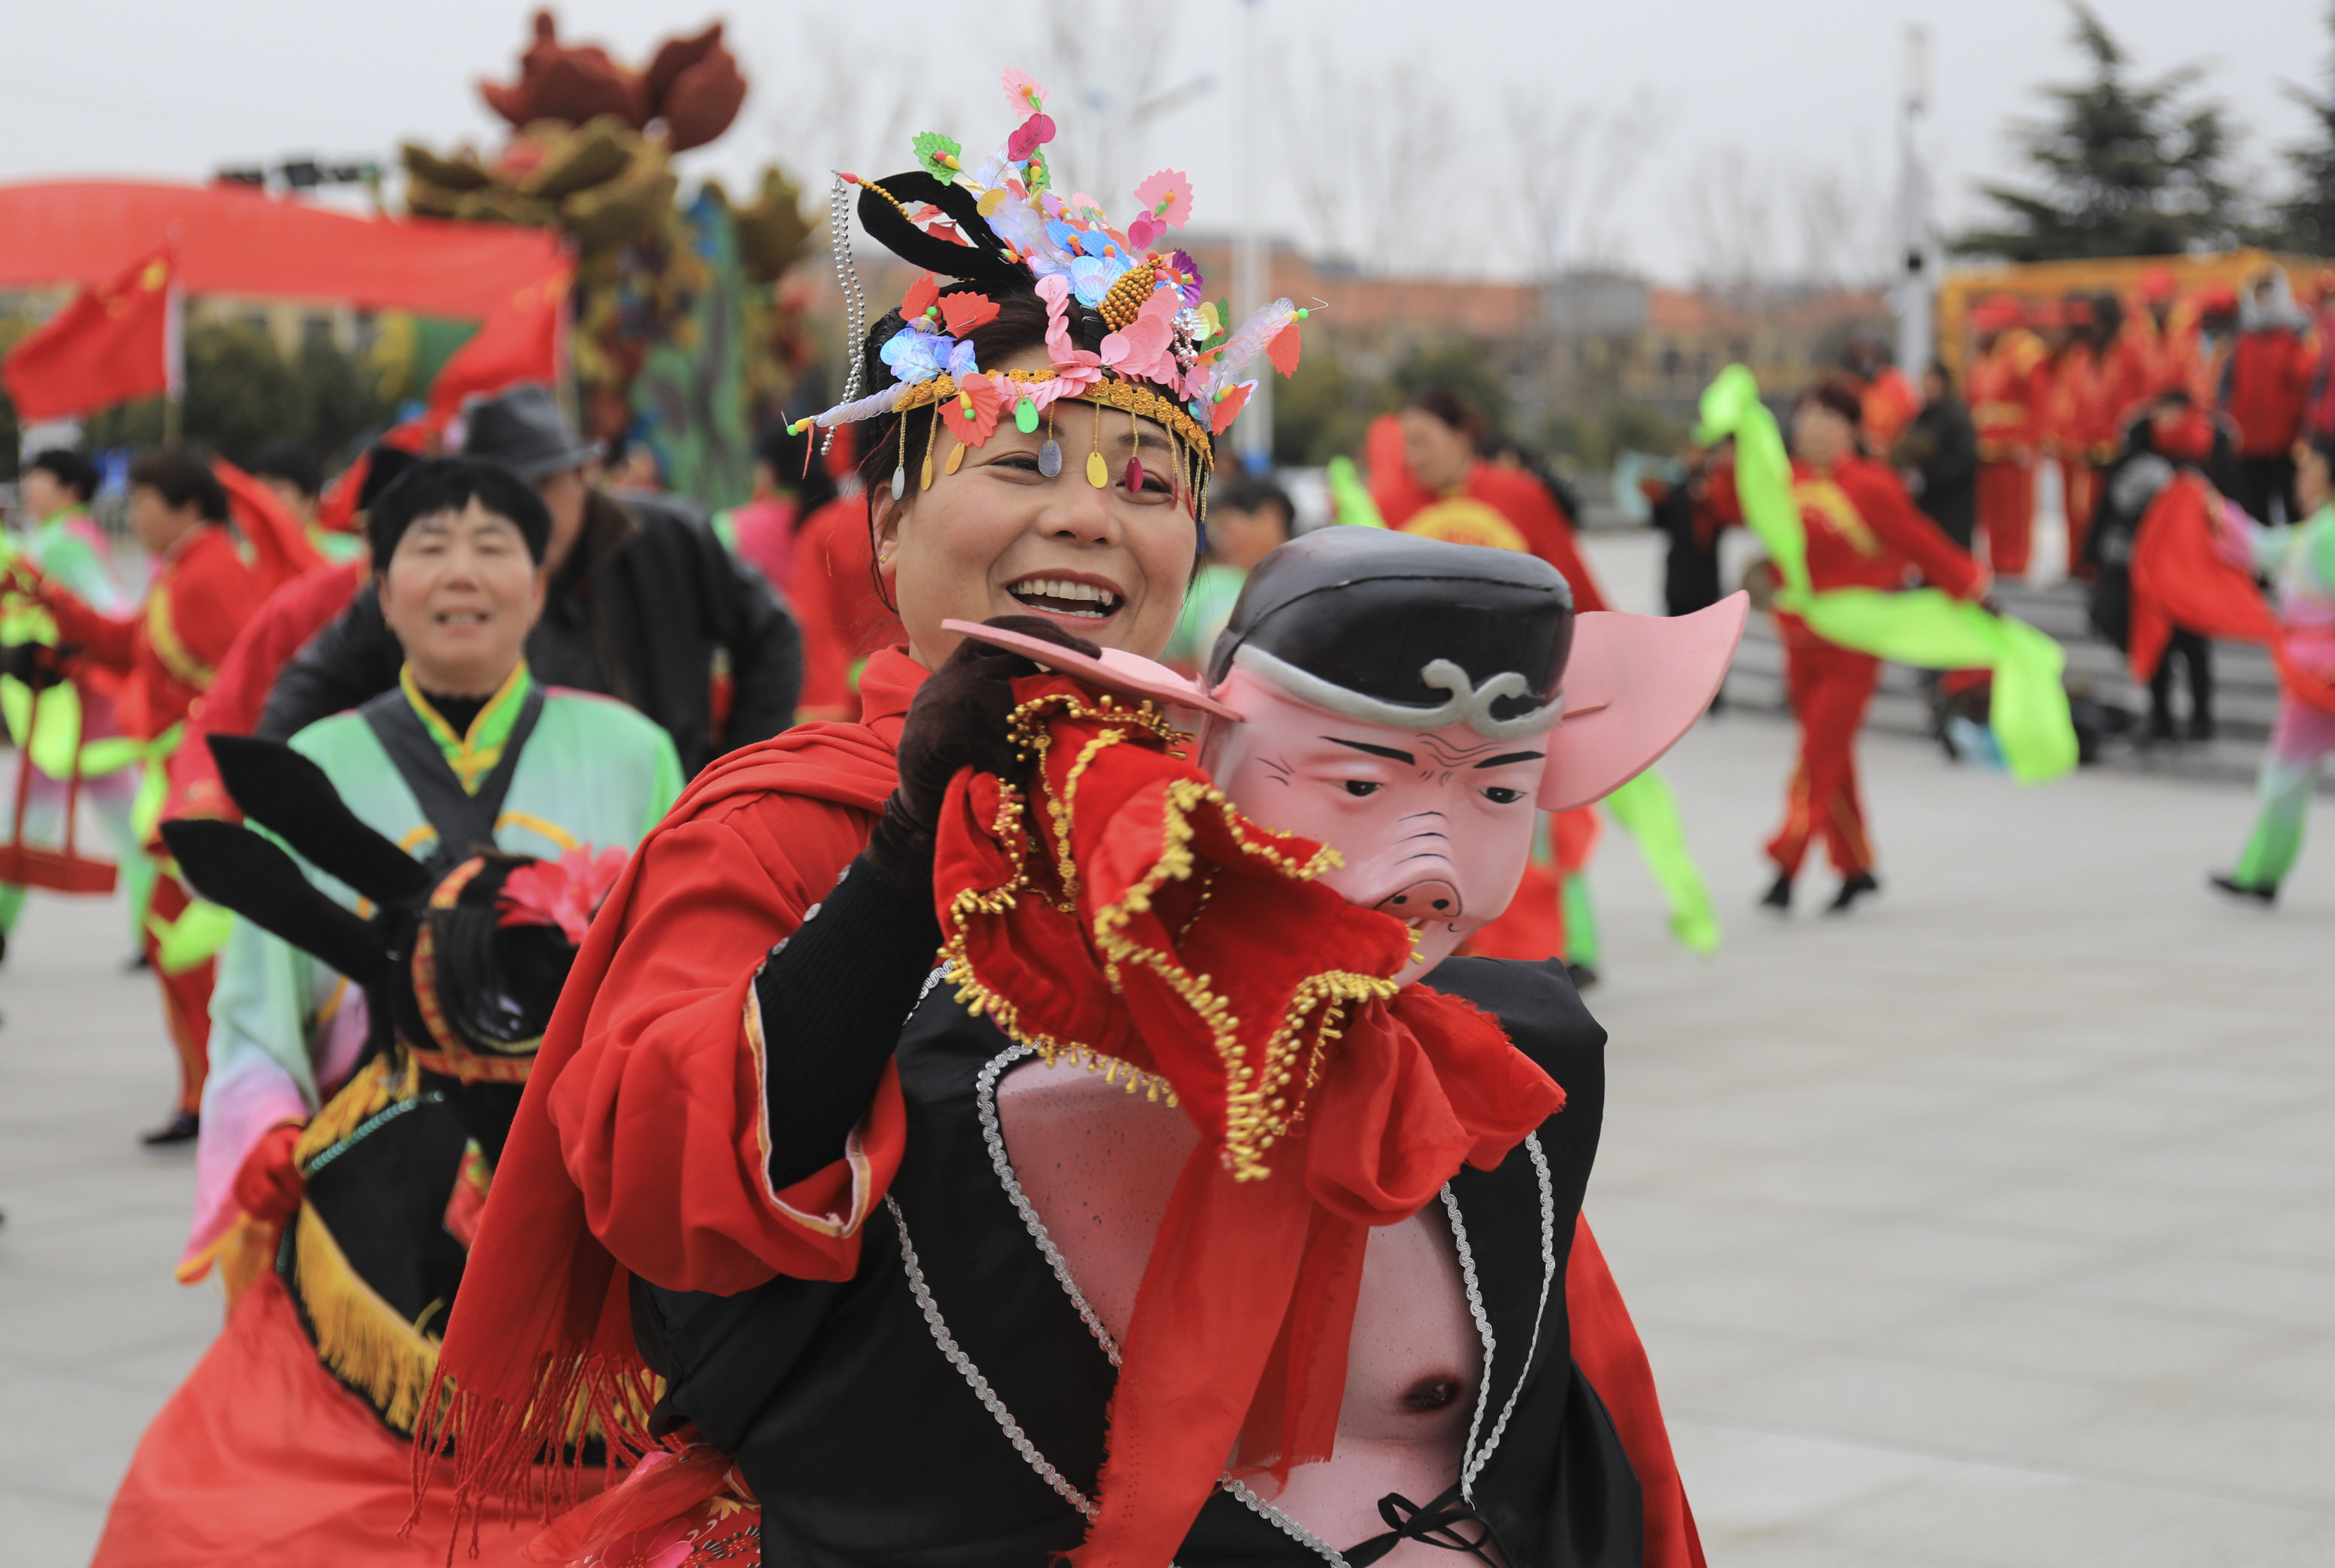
2008	386
1863	531
167	657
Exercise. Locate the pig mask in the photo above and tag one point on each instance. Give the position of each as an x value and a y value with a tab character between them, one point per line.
1396	699
1413	703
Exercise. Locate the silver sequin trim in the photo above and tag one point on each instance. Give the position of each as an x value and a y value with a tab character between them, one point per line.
971	1374
1474	1465
992	1133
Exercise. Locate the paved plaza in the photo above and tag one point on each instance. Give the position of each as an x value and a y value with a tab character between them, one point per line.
1991	1228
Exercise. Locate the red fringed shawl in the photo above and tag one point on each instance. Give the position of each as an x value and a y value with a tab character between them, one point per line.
1121	911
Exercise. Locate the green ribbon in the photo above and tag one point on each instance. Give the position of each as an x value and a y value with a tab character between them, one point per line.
1923	627
1350	497
1648	812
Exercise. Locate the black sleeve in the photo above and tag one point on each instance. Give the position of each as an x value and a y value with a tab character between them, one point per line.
765	650
352	659
834	997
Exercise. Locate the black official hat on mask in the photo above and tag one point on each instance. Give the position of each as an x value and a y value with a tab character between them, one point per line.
522	429
1394	629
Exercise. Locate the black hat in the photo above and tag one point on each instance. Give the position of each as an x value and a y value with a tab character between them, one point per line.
1399	630
523	430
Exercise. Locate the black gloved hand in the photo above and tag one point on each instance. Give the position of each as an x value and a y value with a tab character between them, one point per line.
957	719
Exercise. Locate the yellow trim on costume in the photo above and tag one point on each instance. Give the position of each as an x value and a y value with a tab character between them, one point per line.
1830	501
469	761
1465	520
163	634
1260	1106
362	1337
542	825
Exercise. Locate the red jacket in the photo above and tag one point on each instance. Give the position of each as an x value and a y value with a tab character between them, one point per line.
283	624
168	654
2265	386
2007	388
1863	531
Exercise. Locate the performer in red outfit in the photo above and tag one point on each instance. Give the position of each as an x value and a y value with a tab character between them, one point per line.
2265	382
283	624
1863	531
2007	387
681	1133
1427	479
2075	419
1890	400
200	598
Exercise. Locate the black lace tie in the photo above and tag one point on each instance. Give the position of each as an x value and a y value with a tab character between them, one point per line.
1436	1523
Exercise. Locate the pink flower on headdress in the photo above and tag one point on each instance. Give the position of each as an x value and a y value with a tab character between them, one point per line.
1167	197
1023	93
1141	348
1077	366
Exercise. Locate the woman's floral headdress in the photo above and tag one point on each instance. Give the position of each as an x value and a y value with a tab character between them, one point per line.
1171	356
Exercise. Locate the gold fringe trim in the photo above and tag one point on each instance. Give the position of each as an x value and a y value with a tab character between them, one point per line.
1265	1098
359	1336
379	1084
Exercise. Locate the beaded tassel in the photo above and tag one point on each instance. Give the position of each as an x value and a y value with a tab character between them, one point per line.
855	300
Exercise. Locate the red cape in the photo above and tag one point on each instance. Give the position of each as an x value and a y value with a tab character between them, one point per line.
2180	577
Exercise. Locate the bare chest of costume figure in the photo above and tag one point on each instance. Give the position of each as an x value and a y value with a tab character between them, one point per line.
1098	1164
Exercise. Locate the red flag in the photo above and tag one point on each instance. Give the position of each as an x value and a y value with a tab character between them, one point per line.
110	345
522	341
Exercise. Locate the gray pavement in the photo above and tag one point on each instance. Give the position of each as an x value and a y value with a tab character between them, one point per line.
1992	1225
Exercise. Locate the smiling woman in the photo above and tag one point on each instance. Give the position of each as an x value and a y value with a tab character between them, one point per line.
719	1102
1006	526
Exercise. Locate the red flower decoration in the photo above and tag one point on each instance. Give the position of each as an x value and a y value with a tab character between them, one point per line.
965	311
921	296
565	893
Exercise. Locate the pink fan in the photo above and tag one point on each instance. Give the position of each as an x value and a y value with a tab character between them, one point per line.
1632	686
1118	671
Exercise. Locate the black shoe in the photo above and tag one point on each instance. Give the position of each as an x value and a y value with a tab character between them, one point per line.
2237	889
1583	975
1780	897
181	1128
1855	889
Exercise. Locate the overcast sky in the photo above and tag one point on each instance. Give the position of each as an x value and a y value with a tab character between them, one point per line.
1434	135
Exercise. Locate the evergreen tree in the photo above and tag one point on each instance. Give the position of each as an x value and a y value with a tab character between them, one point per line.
2307	220
2125	167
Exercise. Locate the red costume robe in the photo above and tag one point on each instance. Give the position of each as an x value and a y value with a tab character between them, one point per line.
642	1144
2007	391
2078	431
167	657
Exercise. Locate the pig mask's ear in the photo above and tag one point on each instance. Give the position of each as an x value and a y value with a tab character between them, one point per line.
1633	687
